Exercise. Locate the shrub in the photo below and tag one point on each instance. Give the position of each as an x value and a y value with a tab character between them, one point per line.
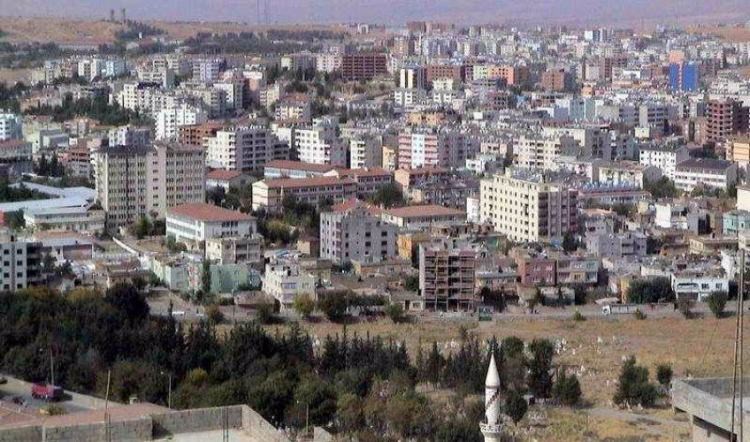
515	406
395	311
717	301
639	315
304	305
266	313
578	316
214	315
664	374
567	389
685	306
634	387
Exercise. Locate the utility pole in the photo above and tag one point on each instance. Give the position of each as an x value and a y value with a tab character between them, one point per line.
738	353
107	432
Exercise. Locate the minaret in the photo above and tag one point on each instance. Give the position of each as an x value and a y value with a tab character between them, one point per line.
492	430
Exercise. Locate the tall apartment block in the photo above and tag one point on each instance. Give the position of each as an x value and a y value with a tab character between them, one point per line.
20	262
136	181
447	271
244	148
364	65
350	232
528	206
726	118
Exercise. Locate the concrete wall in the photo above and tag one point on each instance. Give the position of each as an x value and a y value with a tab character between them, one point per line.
709	403
201	419
21	434
81	400
321	435
253	423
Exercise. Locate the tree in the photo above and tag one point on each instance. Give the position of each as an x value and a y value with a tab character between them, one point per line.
411	283
333	305
266	313
395	312
142	227
389	195
567	389
569	243
717	301
685	306
633	387
664	374
649	290
515	406
304	305
434	365
128	300
661	188
206	277
214	314
540	365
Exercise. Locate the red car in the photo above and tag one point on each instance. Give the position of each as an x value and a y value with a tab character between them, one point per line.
47	392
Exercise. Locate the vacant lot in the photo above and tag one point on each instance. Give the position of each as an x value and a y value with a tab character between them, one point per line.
594	349
735	34
57	30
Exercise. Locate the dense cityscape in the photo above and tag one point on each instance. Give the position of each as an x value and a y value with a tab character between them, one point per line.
427	231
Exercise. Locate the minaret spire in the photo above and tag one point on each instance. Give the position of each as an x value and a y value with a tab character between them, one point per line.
492	430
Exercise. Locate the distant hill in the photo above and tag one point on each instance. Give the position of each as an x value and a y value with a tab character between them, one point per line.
577	12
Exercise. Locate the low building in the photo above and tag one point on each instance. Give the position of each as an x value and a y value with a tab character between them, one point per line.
717	174
697	286
295	169
21	263
420	217
735	221
227	179
616	245
78	219
269	194
194	223
627	173
235	250
285	280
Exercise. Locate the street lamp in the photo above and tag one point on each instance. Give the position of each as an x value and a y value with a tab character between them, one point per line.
169	389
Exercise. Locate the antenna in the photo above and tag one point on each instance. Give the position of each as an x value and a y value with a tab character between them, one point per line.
122	14
257	12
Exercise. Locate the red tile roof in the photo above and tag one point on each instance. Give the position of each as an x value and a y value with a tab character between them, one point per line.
299	165
207	212
373	171
307	182
221	174
353	203
422	211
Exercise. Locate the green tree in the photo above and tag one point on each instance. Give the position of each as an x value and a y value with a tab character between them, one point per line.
206	277
411	283
664	374
648	290
333	305
142	227
567	389
266	313
389	195
661	188
214	314
304	305
717	302
569	243
633	385
540	366
395	312
515	406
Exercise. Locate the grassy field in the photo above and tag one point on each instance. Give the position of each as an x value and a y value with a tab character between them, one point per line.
594	349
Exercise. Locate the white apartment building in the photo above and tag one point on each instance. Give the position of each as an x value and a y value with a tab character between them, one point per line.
20	262
129	136
246	148
169	120
540	152
194	223
235	250
136	181
206	70
666	159
293	110
351	233
626	173
145	97
319	144
233	93
698	285
527	207
365	152
328	63
76	219
285	281
444	148
718	174
163	76
91	68
11	126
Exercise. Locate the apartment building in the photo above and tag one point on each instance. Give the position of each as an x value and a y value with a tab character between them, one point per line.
16	156
435	148
529	206
296	109
664	158
616	245
353	231
77	161
194	223
543	152
244	148
163	76
198	134
626	173
365	152
319	144
21	262
557	80
726	118
268	194
295	169
363	65
76	219
206	70
719	174
136	181
738	150
447	275
129	136
422	216
328	62
169	120
235	250
11	126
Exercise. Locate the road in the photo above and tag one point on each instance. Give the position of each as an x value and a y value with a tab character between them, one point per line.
14	388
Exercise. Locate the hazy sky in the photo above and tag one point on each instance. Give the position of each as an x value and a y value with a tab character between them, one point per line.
396	11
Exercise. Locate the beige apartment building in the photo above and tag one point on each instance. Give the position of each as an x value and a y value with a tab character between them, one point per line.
136	181
528	206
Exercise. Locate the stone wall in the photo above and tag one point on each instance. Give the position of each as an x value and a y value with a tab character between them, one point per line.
253	423
123	431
